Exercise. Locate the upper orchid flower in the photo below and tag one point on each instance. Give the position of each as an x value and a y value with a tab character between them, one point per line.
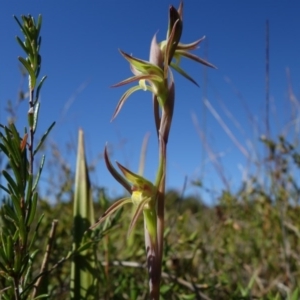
172	48
143	196
150	77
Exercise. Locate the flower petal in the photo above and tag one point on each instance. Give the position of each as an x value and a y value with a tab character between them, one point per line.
142	66
138	182
124	98
195	58
150	77
115	173
156	56
115	206
183	73
190	46
137	213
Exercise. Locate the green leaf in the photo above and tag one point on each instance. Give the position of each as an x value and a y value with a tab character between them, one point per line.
43	139
35	116
32	209
11	147
42	296
10	215
29	189
22	44
39	173
30	71
17	206
3	268
82	279
11	182
39	24
35	232
21	26
39	88
295	295
5	189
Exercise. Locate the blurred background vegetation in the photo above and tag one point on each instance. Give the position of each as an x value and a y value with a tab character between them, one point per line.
246	246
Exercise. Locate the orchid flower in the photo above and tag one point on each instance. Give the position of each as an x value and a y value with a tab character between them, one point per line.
153	75
150	77
143	197
172	48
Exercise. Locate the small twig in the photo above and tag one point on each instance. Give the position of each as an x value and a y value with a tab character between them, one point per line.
191	286
60	262
44	266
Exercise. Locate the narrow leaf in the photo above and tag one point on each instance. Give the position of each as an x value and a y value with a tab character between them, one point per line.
39	88
22	44
39	173
35	116
32	209
30	71
43	138
11	182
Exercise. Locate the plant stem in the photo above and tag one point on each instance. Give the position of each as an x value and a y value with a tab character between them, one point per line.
31	108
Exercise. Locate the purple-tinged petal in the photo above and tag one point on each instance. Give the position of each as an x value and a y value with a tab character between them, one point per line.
180	10
190	46
115	206
124	98
139	183
183	73
142	66
137	213
150	77
114	172
195	58
170	48
156	56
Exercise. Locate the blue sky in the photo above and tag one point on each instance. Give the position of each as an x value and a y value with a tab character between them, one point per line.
81	59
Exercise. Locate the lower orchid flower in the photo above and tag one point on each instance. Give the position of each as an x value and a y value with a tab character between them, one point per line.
143	197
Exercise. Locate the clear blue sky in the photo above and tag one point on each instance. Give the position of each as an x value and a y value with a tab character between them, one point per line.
81	59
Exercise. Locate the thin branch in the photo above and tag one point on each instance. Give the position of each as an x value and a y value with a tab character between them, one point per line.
46	257
191	286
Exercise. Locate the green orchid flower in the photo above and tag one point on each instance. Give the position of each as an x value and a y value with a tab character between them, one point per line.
150	78
143	197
